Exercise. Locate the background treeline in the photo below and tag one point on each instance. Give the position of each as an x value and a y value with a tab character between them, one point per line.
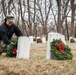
38	17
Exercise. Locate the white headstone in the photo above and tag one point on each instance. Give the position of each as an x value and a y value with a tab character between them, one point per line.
70	38
43	39
75	39
23	49
31	39
52	36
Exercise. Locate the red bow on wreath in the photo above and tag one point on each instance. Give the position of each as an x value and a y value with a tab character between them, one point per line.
60	45
14	50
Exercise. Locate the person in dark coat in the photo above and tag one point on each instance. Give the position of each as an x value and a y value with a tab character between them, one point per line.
7	29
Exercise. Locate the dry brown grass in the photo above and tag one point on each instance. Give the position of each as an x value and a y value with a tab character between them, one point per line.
37	65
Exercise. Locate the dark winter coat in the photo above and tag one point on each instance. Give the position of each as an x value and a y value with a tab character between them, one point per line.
6	32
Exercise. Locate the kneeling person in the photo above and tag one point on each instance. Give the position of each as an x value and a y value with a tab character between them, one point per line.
7	29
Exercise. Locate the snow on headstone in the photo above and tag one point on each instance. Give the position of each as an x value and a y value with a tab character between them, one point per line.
38	37
52	36
23	49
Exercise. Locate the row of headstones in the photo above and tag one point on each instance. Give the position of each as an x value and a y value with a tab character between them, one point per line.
43	38
23	50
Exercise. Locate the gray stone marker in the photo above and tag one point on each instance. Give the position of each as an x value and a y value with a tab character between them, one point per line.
23	49
52	36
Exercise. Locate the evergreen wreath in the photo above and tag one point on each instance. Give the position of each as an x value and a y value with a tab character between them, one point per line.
60	51
12	49
39	40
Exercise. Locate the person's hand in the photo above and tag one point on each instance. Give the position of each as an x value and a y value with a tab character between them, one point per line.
9	46
12	43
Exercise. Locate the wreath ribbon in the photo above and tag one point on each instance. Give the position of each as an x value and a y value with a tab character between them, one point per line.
14	50
60	45
60	50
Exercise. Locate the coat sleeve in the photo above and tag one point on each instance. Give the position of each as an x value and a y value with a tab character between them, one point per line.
18	31
4	38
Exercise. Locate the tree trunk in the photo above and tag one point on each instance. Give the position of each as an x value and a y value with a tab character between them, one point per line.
67	33
59	16
72	18
4	8
35	25
29	23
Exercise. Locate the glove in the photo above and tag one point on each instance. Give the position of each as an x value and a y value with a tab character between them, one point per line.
9	47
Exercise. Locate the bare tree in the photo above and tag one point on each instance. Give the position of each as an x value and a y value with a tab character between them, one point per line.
72	18
35	16
59	16
35	25
44	18
4	7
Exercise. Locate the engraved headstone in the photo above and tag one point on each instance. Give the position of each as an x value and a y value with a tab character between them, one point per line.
23	49
52	36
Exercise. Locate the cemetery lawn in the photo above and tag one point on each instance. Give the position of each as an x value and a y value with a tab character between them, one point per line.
37	64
